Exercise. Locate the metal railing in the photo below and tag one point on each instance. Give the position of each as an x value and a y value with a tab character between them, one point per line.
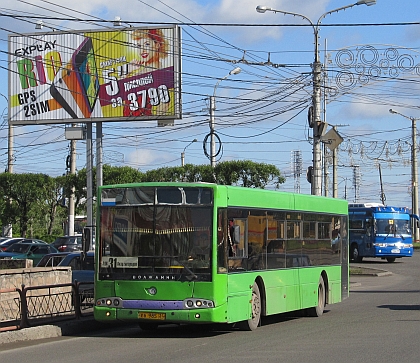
38	305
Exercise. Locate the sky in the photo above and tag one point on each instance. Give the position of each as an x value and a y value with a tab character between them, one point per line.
372	64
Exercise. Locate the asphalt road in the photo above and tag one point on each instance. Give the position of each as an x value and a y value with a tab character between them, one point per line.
379	322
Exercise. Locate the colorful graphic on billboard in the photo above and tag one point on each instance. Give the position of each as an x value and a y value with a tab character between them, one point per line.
92	76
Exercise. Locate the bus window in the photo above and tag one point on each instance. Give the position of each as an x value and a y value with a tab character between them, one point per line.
309	229
222	246
293	229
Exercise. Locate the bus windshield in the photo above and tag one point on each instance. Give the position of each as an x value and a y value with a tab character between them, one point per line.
393	226
159	236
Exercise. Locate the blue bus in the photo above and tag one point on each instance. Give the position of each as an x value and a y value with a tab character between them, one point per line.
381	231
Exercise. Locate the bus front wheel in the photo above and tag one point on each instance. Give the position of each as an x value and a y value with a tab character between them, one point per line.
252	324
355	255
318	310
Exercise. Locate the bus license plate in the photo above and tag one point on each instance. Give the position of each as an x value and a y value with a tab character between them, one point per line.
395	250
152	316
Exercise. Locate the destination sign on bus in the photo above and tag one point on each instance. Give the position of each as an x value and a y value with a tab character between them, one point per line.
120	262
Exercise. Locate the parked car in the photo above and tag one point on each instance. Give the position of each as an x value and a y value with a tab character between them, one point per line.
82	270
68	243
12	241
27	250
8	241
52	259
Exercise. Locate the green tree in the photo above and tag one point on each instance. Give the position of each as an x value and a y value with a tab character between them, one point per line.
248	174
244	173
120	175
55	193
21	192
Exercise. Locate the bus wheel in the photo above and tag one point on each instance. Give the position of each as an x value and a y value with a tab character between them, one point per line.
252	324
148	326
319	309
355	254
390	259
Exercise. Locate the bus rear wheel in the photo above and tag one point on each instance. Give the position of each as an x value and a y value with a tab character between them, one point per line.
318	310
252	324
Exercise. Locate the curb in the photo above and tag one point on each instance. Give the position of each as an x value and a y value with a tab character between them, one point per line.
366	271
59	329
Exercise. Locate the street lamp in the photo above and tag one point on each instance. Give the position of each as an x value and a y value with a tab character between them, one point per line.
183	153
315	118
234	71
414	178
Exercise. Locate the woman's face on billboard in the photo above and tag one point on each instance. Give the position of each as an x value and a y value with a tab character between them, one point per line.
148	50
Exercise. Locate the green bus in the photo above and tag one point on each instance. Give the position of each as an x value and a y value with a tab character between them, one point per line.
199	253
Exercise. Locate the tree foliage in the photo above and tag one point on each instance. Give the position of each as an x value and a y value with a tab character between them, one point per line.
243	173
21	192
35	201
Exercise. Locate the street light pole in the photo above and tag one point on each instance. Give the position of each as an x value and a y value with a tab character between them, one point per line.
183	153
212	109
315	122
414	172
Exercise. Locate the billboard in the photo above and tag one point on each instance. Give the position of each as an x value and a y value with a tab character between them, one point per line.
128	74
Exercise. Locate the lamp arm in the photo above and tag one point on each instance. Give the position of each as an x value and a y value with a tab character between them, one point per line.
334	11
217	84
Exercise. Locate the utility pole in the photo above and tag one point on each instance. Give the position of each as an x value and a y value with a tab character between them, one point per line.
414	174
332	140
356	182
415	208
335	171
73	133
315	114
213	155
383	198
212	140
8	229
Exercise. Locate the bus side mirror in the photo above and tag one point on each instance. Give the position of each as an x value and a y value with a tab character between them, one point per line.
416	217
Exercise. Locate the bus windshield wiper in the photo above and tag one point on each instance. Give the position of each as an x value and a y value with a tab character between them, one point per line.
191	275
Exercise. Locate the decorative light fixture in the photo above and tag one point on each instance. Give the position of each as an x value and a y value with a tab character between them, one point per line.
117	21
39	24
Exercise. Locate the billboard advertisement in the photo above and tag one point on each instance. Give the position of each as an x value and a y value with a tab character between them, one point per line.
93	76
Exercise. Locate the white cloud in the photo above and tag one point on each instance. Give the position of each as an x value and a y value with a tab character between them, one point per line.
144	158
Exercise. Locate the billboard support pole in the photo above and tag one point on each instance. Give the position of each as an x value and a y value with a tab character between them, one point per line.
89	178
70	227
99	166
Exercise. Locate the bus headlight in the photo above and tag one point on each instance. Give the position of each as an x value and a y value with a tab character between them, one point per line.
110	302
198	304
380	244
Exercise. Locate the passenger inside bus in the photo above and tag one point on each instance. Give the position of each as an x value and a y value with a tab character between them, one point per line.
390	228
201	249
